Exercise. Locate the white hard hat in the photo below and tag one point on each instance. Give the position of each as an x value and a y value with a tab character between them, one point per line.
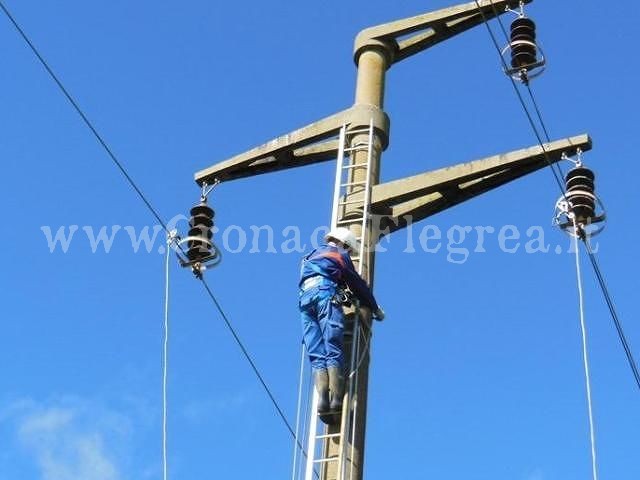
343	235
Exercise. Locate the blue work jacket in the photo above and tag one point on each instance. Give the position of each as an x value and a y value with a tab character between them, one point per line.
334	263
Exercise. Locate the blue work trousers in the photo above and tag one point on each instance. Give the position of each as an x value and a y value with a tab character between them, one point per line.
322	326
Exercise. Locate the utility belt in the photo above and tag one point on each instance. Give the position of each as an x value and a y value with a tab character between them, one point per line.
343	296
316	281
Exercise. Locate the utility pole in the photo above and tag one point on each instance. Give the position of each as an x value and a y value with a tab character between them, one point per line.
398	203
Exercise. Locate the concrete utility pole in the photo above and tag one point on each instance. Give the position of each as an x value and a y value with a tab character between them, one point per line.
401	202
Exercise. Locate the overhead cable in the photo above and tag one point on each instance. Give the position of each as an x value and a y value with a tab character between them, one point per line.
558	178
251	362
80	112
141	195
614	314
596	268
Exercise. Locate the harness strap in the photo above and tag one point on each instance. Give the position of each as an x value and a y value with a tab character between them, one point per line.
314	267
315	281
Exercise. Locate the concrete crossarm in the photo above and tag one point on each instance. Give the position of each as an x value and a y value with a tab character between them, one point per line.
397	40
412	199
310	144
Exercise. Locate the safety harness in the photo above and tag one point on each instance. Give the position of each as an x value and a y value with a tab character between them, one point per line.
343	296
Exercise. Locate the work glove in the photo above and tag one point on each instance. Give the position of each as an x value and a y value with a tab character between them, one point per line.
379	314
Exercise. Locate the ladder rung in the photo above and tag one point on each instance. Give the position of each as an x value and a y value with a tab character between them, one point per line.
355	165
352	220
351	202
358	130
351	184
328	435
325	460
357	148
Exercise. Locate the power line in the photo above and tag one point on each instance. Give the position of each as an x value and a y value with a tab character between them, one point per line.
141	195
251	362
539	113
517	91
527	84
614	314
594	263
80	112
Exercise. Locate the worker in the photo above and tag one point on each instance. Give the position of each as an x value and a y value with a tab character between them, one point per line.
324	274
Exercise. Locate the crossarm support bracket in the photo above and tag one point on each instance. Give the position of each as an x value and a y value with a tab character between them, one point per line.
311	144
404	38
409	200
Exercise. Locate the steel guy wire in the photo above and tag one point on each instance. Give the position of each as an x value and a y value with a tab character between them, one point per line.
133	185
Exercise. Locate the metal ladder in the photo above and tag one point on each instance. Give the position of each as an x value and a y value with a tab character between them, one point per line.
342	184
358	206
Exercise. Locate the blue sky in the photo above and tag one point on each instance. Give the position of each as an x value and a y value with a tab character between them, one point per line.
477	371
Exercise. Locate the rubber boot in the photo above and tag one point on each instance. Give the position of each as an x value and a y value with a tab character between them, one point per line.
321	380
336	387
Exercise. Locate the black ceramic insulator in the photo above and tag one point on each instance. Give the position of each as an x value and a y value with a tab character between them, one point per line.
581	193
200	225
523	43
